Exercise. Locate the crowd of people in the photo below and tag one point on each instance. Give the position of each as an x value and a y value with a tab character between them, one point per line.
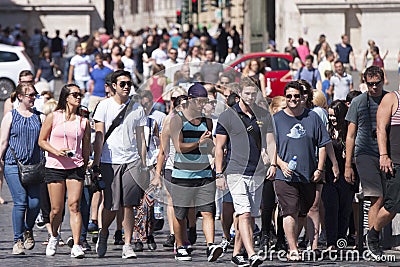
151	110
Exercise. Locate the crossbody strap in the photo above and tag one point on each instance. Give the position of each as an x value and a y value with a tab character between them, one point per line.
118	120
250	129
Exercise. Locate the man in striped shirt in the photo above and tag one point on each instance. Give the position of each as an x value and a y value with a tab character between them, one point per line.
192	180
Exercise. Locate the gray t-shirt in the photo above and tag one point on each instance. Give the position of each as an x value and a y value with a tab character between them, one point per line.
365	119
210	71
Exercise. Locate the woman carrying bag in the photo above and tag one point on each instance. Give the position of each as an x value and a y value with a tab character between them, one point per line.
20	130
65	135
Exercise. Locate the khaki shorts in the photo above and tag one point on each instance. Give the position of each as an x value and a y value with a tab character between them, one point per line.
373	181
124	184
246	193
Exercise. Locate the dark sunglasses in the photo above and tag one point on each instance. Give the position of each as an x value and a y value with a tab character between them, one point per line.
289	96
76	94
31	95
372	84
123	84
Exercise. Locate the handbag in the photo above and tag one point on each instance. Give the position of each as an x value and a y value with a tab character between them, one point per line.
30	174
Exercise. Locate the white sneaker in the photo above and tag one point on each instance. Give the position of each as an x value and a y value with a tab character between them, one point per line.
127	252
51	248
77	252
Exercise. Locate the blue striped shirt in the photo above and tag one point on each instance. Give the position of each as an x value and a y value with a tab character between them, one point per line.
24	135
192	164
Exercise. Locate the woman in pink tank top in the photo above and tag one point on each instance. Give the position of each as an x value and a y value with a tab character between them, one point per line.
156	85
65	135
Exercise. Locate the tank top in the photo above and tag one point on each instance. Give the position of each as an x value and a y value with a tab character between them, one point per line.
394	135
157	90
24	135
192	164
66	134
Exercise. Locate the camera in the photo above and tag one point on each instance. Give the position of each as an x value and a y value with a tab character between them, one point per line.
70	153
93	184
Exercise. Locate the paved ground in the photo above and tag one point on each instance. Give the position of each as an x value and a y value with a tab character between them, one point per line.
160	257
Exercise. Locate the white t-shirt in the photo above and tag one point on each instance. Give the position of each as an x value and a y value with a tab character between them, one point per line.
159	56
121	146
81	67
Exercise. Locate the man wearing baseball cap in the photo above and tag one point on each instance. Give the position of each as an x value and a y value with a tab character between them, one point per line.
192	180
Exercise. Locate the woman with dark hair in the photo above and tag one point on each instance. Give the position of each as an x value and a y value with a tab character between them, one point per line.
19	140
253	70
45	70
337	194
65	135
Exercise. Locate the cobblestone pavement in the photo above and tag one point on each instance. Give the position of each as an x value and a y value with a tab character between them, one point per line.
160	257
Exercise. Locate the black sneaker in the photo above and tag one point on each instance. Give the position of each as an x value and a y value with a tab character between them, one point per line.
182	254
239	261
70	242
192	235
214	252
151	244
255	261
118	238
373	247
264	243
85	246
169	243
138	246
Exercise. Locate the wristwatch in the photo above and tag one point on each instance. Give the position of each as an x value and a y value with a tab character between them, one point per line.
219	175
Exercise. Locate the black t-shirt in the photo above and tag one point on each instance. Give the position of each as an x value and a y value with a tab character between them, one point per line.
244	157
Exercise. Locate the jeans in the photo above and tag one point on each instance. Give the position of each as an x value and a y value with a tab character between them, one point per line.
26	202
86	202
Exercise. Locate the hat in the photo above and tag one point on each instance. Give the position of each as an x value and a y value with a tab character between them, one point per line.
197	90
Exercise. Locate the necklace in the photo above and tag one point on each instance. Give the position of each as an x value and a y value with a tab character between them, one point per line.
65	131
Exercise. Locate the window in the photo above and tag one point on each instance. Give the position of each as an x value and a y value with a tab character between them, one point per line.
134	7
8	57
149	6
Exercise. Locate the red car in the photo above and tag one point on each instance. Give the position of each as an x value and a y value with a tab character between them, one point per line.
276	66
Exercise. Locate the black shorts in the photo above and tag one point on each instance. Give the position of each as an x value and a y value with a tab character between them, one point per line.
197	193
295	198
392	196
57	175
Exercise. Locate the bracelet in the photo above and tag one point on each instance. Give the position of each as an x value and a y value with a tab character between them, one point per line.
383	155
320	170
273	165
219	175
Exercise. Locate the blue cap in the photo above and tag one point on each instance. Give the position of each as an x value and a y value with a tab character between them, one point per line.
197	90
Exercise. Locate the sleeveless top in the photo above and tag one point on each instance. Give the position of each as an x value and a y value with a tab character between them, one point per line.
192	164
394	135
66	134
157	91
24	135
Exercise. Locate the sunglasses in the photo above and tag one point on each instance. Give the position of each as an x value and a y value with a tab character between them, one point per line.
76	94
289	96
372	84
31	95
123	84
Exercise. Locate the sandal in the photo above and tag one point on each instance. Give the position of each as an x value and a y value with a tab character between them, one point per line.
294	255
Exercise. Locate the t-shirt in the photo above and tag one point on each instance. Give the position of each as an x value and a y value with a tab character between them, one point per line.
99	77
344	52
365	119
310	75
159	56
341	85
47	70
243	154
299	136
210	71
81	67
121	146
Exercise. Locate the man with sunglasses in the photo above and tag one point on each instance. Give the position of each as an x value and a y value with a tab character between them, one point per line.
120	159
362	138
246	128
298	132
171	65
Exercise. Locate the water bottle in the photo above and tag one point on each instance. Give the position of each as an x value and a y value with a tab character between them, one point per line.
232	232
158	206
293	163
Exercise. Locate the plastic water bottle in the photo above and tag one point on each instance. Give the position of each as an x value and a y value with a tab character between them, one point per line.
158	206
232	233
293	163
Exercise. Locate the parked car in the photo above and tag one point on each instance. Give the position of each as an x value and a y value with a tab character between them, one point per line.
13	59
276	66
